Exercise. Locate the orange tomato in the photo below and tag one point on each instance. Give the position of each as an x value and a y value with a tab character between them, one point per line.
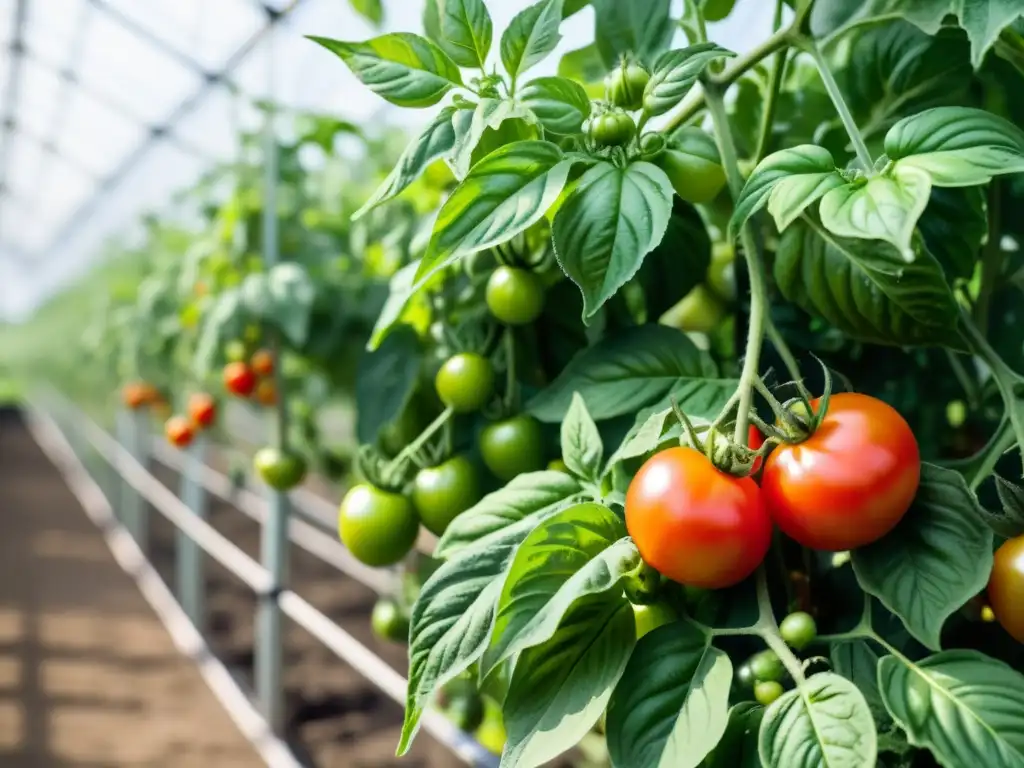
266	393
262	363
202	409
850	482
1006	587
179	431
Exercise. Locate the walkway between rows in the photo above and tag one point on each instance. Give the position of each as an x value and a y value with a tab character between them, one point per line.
89	678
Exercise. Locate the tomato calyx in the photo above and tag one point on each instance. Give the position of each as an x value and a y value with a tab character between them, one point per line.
720	449
642	586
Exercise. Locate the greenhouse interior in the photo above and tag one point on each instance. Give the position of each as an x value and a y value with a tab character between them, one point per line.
511	383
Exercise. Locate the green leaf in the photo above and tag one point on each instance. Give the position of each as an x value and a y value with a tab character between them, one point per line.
965	707
575	553
857	661
953	226
823	722
738	746
385	380
400	290
371	10
652	428
283	297
884	207
223	321
676	72
865	288
582	450
679	262
561	105
896	69
532	493
586	66
453	615
1010	523
531	36
643	28
504	194
803	174
560	688
463	30
671	706
436	140
934	561
983	20
957	146
405	69
612	219
634	368
488	116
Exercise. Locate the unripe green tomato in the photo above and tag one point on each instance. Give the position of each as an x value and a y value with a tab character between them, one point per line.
721	277
767	666
612	129
279	469
443	492
234	351
466	711
513	446
650	617
798	630
388	622
695	179
745	676
378	527
514	296
699	311
624	85
767	691
491	733
716	10
465	382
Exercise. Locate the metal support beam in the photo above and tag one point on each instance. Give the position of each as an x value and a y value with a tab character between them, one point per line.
10	93
185	108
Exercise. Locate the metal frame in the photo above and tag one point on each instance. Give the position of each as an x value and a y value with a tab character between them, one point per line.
72	426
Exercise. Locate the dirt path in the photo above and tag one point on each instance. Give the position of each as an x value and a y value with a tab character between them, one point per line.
89	678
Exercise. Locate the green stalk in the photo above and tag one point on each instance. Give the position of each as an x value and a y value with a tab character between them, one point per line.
751	252
834	92
419	442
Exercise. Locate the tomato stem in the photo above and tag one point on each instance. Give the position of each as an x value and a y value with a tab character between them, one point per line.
511	389
751	253
836	94
768	629
418	443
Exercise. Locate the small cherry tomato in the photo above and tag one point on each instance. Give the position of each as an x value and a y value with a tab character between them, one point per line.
239	379
443	492
136	395
234	351
692	164
466	711
721	276
1006	587
513	446
767	691
281	470
514	296
378	527
850	482
624	85
612	129
465	382
798	630
202	409
745	676
179	431
262	362
694	523
767	666
650	617
266	392
388	621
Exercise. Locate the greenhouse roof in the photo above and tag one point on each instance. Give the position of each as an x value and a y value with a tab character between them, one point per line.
111	106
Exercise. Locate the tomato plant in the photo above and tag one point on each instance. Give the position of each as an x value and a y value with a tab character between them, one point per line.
756	283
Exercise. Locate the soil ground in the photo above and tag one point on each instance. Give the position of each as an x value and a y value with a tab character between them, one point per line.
89	678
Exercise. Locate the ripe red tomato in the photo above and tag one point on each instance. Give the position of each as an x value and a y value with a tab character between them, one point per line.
179	431
1006	587
262	363
202	409
266	392
754	441
136	394
850	482
239	379
694	523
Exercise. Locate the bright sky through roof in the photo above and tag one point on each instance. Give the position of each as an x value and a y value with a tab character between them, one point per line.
98	75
